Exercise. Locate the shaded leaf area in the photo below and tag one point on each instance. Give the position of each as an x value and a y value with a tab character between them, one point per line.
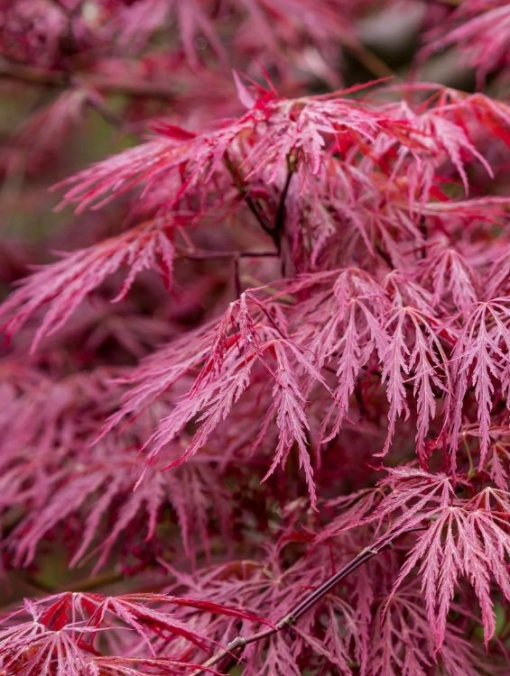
57	485
148	246
462	534
376	617
360	624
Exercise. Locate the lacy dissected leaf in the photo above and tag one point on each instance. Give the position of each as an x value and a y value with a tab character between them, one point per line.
443	134
53	481
452	276
314	138
272	590
404	642
399	503
64	632
342	325
246	348
412	348
67	283
463	541
498	455
480	360
499	460
102	500
474	25
357	323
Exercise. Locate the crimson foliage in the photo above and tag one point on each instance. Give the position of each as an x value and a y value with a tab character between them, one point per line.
275	352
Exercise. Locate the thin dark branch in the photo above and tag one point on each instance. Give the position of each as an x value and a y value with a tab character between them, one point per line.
288	620
278	233
215	255
252	204
237	278
373	63
87	584
112	118
279	224
424	233
60	80
380	252
235	256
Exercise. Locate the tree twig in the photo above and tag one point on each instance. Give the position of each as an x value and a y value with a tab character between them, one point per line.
252	204
87	584
288	620
60	79
218	255
373	63
279	224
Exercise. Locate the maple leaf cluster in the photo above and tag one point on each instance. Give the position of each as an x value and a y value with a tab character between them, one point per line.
255	372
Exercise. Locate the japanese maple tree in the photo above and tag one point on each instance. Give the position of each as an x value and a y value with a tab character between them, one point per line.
255	375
